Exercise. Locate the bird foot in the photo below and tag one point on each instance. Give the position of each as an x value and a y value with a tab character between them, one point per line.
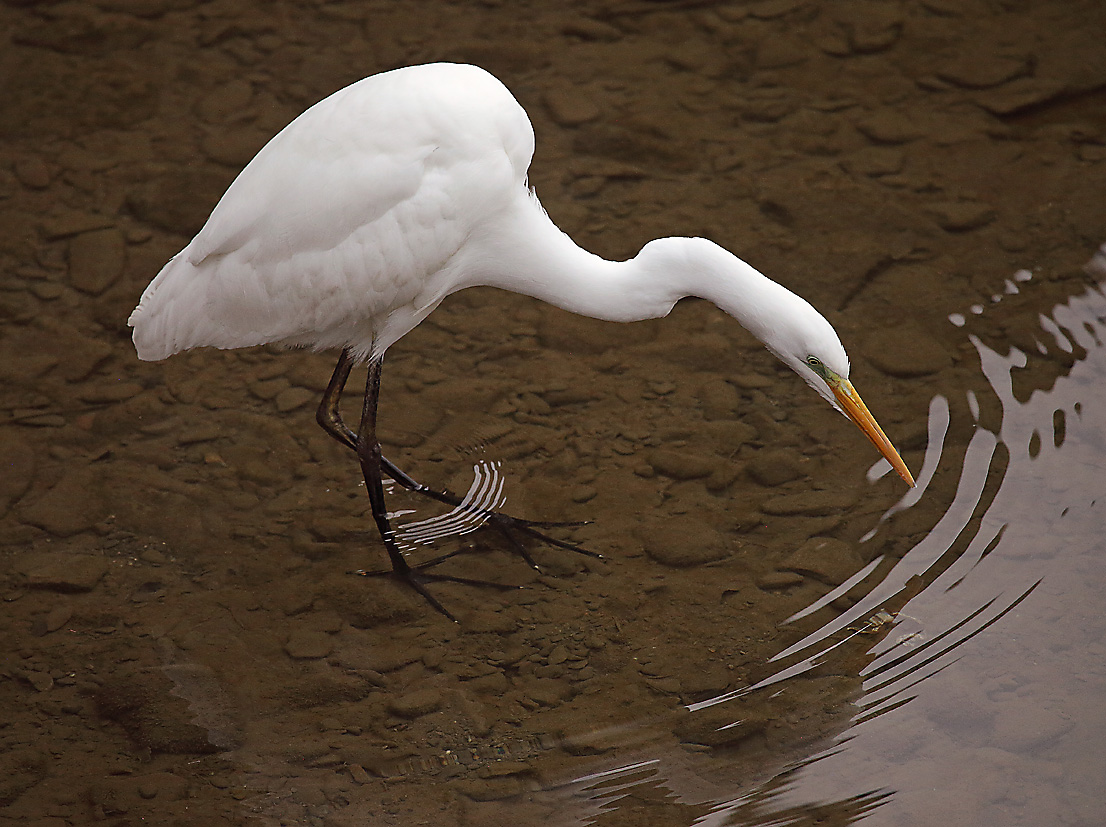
477	508
508	526
513	529
417	578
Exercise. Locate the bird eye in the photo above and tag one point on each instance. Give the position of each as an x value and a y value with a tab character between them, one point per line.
815	364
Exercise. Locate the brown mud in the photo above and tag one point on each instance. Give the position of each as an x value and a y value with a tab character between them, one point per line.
183	642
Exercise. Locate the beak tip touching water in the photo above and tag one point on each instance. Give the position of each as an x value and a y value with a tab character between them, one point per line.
858	412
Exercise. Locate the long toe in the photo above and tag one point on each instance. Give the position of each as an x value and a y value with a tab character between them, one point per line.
418	579
507	525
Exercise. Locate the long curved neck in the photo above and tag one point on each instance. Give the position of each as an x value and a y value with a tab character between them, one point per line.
527	253
523	251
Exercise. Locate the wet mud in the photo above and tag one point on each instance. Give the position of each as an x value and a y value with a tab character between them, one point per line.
183	640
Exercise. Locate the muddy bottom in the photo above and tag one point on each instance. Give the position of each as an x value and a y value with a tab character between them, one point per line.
184	642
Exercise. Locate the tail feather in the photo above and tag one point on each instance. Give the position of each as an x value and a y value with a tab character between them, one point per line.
151	318
175	313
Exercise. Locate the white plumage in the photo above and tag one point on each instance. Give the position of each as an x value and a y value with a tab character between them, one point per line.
345	229
352	224
358	218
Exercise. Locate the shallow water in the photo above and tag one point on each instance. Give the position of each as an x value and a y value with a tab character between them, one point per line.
986	683
776	634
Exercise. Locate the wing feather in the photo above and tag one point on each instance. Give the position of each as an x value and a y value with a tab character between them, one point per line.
345	217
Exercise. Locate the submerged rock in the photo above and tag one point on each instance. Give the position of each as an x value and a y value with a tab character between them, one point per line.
96	260
824	558
61	572
683	544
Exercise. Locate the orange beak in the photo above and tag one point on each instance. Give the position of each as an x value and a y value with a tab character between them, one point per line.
858	412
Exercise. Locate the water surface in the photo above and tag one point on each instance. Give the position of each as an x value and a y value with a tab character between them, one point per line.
776	634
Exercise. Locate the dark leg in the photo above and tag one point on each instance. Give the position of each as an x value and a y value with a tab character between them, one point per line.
328	415
368	453
330	418
503	522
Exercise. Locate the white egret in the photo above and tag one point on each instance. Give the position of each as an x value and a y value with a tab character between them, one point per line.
352	224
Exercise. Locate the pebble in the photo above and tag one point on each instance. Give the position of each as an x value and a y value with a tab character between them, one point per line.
109	392
960	216
731	434
978	70
718	399
61	572
72	222
41	681
52	620
568	396
777	580
874	34
681	465
502	768
775	467
72	506
1019	95
163	785
307	644
568	106
588	742
767	105
38	420
682	545
292	398
964	714
359	774
664	686
547	693
268	388
824	558
1023	726
586	28
945	8
199	433
771	9
32	173
415	704
328	621
48	291
723	476
490	789
1091	154
906	351
886	127
583	493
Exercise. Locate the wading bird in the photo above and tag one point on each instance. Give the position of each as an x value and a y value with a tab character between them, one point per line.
352	224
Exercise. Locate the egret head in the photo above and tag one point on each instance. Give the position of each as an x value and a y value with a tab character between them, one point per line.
808	344
670	268
789	327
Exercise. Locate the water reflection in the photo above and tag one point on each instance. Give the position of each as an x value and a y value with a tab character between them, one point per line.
983	670
484	496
